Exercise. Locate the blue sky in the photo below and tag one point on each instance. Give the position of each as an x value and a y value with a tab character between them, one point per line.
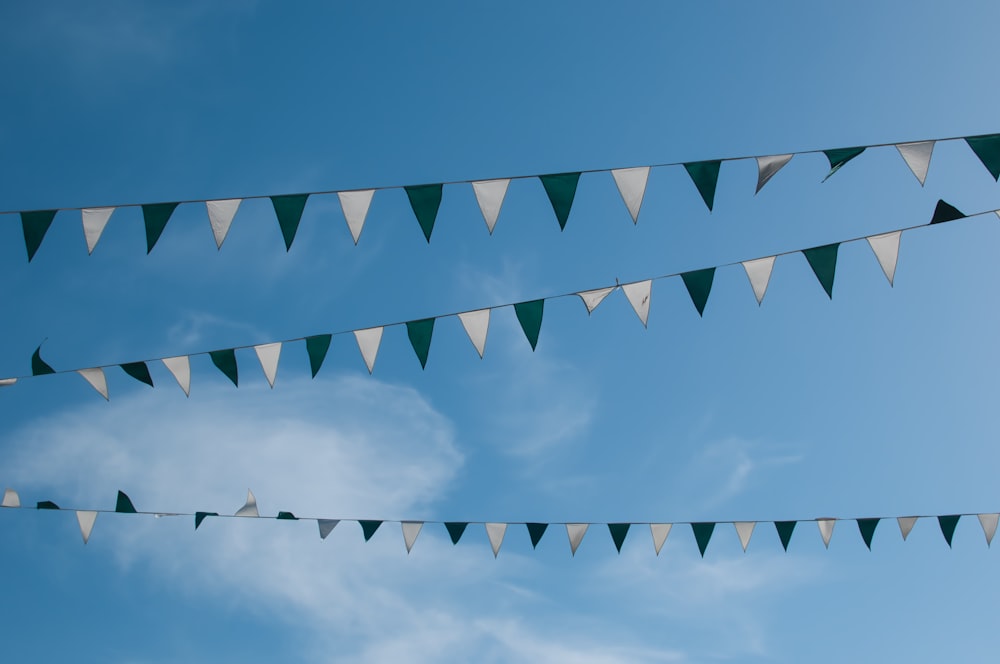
877	403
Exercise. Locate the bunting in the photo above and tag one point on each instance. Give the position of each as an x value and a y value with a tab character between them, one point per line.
490	195
220	217
632	187
561	190
355	205
94	220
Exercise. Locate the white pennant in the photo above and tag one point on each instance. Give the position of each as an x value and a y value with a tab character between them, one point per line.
249	507
744	529
659	532
368	342
592	298
268	354
410	531
96	379
496	531
326	526
638	295
180	368
886	248
355	205
575	532
768	166
220	216
632	186
918	157
759	273
10	498
94	221
86	519
989	524
490	195
7	382
826	530
906	525
477	325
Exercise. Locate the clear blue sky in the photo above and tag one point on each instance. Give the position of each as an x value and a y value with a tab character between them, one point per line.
877	403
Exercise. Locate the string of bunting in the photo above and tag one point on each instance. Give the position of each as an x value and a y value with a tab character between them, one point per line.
425	199
822	260
496	531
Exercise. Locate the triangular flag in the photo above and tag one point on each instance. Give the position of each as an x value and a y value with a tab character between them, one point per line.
123	505
96	379
220	217
35	225
705	175
355	205
535	532
659	532
477	325
785	529
420	333
10	498
496	531
699	285
768	166
425	200
592	298
225	361
410	531
575	533
316	348
139	371
286	516
39	366
368	342
200	516
561	190
759	273
744	529
155	216
529	315
987	148
7	382
86	519
948	524
702	535
639	294
945	212
826	530
289	210
918	157
618	532
632	186
490	195
906	524
249	507
268	354
989	524
867	528
326	526
823	261
886	248
94	221
180	369
455	530
369	527
46	505
840	157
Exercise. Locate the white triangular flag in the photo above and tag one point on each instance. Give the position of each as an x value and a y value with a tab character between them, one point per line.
220	216
632	186
592	298
997	213
96	379
94	221
355	205
249	507
744	529
10	498
410	531
86	519
490	195
477	325
906	525
368	342
638	295
759	273
826	530
659	532
496	531
575	532
180	368
7	382
918	157
989	524
886	248
768	166
326	526
268	354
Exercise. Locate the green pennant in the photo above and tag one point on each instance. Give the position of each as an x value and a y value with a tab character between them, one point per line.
618	533
867	528
425	200
699	285
785	529
948	524
200	516
38	366
529	315
35	225
987	148
317	347
369	528
455	530
535	532
561	190
702	534
156	216
420	332
124	504
289	209
705	175
944	212
839	157
225	360
46	505
287	516
823	261
139	371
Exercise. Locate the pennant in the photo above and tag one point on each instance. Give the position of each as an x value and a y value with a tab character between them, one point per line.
535	532
759	273
368	342
286	516
659	532
200	516
7	382
945	212
425	200
326	526
10	498
529	315
477	325
180	368
989	524
316	348
575	532
155	216
249	507
139	371
420	332
840	157
618	533
826	530
699	285
96	379
35	225
496	531
886	248
289	210
632	186
94	220
225	361
987	148
705	175
86	519
355	205
268	354
490	195
768	166
639	294
592	298
906	524
948	524
744	529
823	261
410	531
123	505
918	157
561	190
220	217
702	535
369	528
38	366
867	528
46	505
455	530
785	529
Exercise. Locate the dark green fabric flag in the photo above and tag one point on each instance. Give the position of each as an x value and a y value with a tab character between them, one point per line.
369	528
699	285
46	505
289	209
200	516
987	148
317	347
38	366
225	360
139	371
124	504
455	530
944	212
618	533
425	200
839	157
287	516
702	534
529	315
35	225
420	332
156	216
867	528
535	532
561	190
785	529
823	261
705	175
948	524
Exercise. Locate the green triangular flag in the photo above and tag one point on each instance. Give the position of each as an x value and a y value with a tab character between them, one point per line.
945	212
225	360
867	528
705	175
425	200
287	516
38	366
35	225
124	504
987	148
455	530
699	285
139	371
200	516
289	212
823	261
702	534
784	529
156	216
316	347
618	533
420	332
561	190
948	524
46	505
529	315
535	532
369	528
840	157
